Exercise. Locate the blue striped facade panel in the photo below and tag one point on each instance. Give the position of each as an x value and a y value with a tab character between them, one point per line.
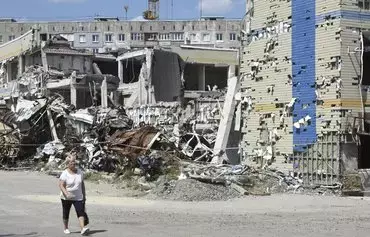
303	72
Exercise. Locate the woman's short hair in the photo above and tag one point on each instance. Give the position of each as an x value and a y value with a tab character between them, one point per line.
70	158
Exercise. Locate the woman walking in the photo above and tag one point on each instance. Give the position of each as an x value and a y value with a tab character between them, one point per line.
71	184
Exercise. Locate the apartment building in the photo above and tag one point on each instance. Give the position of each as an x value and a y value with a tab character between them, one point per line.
106	34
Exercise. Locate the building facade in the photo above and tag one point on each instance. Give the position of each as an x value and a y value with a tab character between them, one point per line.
304	86
106	34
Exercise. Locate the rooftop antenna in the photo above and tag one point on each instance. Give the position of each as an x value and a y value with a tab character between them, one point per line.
126	7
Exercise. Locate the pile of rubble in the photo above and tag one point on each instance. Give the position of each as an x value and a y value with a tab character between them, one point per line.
43	130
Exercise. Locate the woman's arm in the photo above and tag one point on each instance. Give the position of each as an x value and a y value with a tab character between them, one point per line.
62	186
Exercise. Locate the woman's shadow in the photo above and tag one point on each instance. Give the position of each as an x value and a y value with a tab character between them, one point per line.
92	232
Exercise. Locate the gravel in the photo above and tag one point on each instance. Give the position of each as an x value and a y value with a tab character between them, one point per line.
192	191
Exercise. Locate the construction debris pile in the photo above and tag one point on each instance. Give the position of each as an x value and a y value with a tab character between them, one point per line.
42	130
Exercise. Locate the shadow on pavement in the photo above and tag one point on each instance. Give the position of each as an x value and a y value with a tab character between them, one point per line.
91	232
19	235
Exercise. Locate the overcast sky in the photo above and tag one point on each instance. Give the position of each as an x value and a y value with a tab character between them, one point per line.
79	9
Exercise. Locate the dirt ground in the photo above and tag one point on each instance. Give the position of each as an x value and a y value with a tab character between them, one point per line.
29	206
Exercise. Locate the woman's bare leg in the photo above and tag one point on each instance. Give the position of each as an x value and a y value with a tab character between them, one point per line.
82	222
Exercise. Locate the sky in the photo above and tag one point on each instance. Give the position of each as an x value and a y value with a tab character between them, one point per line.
81	9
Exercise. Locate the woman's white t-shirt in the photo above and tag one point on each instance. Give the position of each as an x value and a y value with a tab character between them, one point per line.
73	185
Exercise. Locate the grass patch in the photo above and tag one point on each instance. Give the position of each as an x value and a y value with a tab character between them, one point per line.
93	177
172	172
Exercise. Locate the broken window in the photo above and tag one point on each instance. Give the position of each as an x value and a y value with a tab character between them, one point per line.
132	68
177	36
43	37
219	37
364	4
95	38
206	37
121	37
95	51
109	38
1	38
82	38
232	36
200	77
11	37
141	28
151	36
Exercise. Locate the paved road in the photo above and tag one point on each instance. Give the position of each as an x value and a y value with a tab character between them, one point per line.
29	206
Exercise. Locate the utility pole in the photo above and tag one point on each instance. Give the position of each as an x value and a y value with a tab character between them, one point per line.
126	10
201	8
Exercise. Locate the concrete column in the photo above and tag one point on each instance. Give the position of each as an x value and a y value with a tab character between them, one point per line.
20	64
44	57
73	90
52	126
226	121
150	90
202	78
120	71
9	72
104	94
231	71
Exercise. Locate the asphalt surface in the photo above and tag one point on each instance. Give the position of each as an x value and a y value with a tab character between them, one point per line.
29	206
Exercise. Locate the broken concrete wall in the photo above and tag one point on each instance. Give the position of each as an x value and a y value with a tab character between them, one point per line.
19	45
191	76
33	59
354	98
69	63
292	87
266	86
160	114
166	76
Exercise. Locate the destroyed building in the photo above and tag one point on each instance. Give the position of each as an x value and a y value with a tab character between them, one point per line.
180	90
304	87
